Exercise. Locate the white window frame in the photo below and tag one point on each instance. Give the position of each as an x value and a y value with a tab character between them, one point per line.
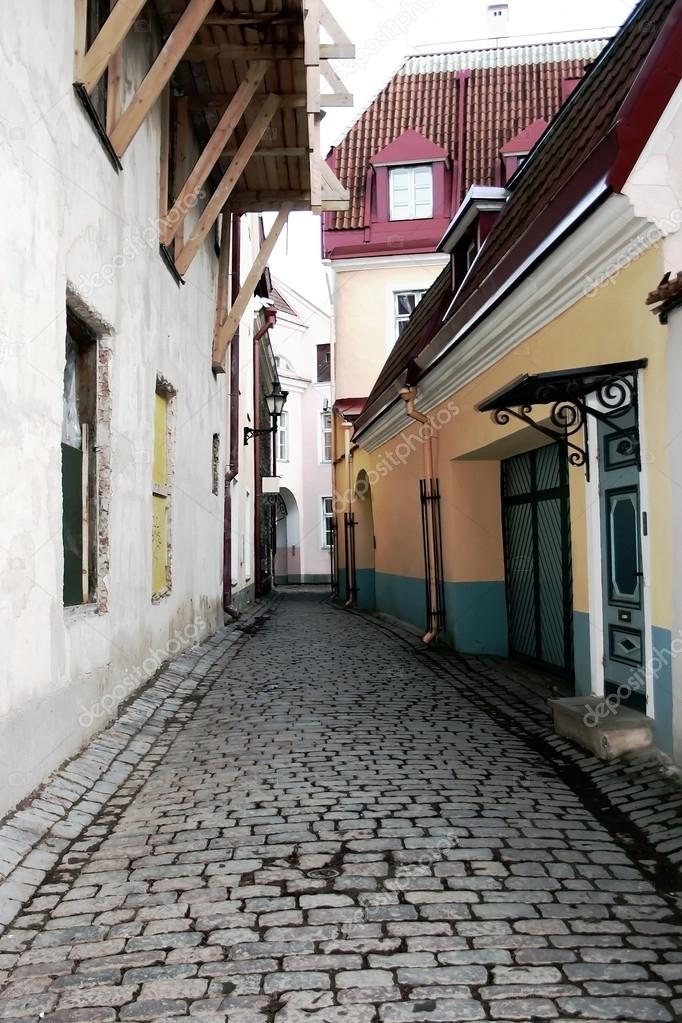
412	208
327	517
398	317
326	431
283	438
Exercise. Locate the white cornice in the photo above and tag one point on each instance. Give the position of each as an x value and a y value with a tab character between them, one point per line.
609	239
418	259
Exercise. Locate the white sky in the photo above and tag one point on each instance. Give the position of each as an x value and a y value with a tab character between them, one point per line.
387	31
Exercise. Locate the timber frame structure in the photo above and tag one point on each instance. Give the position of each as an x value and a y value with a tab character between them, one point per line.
246	77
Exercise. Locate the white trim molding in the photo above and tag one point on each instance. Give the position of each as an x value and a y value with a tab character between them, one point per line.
565	277
417	259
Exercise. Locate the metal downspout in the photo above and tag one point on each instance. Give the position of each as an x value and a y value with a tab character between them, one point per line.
233	469
409	394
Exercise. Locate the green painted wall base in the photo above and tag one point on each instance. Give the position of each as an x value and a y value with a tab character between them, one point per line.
582	653
365	598
660	664
477	617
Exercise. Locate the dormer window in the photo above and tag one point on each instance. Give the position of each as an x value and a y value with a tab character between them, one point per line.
411	192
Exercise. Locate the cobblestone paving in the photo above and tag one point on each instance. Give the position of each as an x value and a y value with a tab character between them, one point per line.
334	833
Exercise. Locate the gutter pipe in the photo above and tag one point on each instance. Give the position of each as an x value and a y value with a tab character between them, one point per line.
409	394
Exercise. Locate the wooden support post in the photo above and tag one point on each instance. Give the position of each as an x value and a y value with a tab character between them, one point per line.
245	295
315	163
311	28
114	83
108	41
159	74
182	129
227	185
80	40
340	97
224	291
214	147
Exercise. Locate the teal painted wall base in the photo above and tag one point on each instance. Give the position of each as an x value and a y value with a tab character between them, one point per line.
401	597
476	612
366	596
477	617
661	665
581	654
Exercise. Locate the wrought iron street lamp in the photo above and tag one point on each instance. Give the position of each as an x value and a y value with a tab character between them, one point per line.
276	401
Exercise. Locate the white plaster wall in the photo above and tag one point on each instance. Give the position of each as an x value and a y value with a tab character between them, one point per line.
66	215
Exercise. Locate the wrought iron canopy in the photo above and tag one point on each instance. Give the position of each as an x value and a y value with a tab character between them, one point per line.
566	392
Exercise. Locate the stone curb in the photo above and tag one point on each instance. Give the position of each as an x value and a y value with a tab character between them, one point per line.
37	835
642	786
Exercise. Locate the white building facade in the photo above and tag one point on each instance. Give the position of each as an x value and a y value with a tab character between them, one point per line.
301	341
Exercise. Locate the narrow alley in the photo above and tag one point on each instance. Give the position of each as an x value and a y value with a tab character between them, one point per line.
330	828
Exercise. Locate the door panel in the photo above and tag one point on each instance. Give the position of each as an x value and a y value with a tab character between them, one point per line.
622	576
536	523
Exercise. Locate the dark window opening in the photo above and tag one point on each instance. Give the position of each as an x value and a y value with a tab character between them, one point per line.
97	14
216	464
79	464
324	364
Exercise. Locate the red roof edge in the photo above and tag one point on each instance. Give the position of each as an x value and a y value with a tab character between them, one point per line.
650	94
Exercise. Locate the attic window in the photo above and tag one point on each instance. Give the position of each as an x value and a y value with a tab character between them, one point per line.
411	192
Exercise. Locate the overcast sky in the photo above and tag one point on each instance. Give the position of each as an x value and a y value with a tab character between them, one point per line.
387	31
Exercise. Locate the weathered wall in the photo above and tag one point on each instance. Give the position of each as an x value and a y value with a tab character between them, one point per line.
71	222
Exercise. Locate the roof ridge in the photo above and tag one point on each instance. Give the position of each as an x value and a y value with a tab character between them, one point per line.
512	46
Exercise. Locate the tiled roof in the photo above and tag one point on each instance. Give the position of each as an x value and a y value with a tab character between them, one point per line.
538	190
504	90
666	295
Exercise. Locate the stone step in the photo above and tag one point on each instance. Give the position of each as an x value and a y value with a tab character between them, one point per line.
605	730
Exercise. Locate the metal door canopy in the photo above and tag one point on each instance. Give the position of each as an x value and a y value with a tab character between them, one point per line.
567	392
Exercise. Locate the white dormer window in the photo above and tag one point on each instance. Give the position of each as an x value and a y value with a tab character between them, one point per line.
411	191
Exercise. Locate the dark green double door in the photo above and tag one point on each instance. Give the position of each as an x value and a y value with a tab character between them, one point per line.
537	542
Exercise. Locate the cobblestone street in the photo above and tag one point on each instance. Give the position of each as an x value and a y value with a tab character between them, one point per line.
330	830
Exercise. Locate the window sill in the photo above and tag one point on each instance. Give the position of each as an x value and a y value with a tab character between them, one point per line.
77	612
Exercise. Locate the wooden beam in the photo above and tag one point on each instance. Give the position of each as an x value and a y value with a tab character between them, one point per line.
213	149
245	295
331	25
340	97
159	74
267	51
183	142
337	51
238	51
224	277
80	37
218	101
114	83
313	90
272	151
334	196
228	183
315	162
311	29
109	39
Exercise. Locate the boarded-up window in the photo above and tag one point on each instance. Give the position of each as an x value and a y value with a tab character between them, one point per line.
324	364
79	464
161	496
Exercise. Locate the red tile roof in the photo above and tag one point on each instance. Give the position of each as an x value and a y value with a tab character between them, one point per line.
525	140
500	92
559	171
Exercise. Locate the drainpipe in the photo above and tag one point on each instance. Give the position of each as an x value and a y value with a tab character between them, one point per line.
233	469
347	434
409	394
270	314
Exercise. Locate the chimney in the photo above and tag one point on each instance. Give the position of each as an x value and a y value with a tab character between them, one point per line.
498	20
